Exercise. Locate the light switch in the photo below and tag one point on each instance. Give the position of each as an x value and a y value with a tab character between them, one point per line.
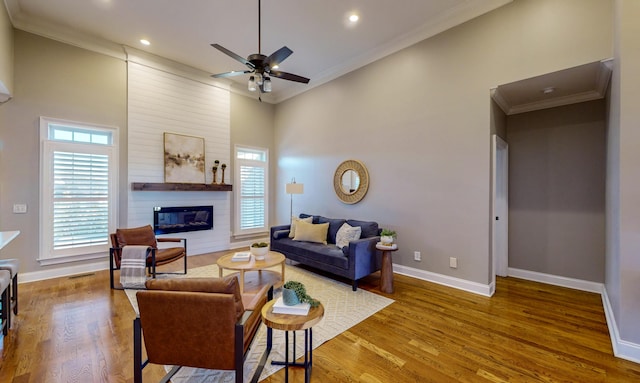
20	208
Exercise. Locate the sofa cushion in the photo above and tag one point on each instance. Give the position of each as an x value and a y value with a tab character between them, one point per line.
281	234
346	234
334	225
294	224
310	232
314	252
369	228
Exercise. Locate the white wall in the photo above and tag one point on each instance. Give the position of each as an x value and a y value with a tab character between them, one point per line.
162	102
420	121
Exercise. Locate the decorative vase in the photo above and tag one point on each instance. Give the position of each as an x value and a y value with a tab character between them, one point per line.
289	297
259	252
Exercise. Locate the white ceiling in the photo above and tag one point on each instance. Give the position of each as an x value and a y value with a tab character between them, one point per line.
325	46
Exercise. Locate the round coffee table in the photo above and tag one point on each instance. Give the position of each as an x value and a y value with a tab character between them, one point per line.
273	258
287	323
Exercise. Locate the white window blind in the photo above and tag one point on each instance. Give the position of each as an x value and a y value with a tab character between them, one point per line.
79	190
251	204
80	199
252	197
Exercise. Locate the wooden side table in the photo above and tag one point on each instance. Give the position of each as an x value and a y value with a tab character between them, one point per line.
287	323
386	271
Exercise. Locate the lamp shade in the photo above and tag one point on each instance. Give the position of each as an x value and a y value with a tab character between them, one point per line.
294	188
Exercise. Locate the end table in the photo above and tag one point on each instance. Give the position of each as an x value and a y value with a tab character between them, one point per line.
287	323
386	271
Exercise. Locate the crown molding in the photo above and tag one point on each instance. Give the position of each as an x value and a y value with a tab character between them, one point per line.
466	11
599	91
455	16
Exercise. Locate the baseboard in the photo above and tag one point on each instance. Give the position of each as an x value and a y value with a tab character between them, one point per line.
621	348
68	271
457	283
578	284
63	271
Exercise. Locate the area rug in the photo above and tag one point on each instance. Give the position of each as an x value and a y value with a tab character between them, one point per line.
343	307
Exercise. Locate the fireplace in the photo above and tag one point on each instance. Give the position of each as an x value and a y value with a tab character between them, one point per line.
179	219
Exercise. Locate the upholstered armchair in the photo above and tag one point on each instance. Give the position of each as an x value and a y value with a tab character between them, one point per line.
146	237
197	322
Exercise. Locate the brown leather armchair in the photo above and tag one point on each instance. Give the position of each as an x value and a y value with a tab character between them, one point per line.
145	236
197	322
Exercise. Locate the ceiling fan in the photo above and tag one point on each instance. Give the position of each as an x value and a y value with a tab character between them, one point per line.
261	67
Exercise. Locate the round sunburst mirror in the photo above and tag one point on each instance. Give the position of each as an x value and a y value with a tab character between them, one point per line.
351	181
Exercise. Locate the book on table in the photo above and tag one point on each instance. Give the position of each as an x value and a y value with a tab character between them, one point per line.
300	309
241	256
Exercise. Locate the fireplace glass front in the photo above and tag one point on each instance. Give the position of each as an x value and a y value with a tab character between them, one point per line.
178	219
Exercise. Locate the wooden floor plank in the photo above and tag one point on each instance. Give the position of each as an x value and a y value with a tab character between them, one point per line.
78	330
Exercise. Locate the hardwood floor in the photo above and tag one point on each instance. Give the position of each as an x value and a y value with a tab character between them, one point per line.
76	329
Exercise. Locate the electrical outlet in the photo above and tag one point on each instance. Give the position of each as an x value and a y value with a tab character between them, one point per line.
416	256
19	208
453	263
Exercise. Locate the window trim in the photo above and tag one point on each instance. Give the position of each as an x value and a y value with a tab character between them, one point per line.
237	231
46	255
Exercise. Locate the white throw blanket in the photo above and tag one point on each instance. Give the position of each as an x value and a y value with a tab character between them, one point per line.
132	266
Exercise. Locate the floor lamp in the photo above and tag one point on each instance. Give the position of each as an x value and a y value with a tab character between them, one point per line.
291	189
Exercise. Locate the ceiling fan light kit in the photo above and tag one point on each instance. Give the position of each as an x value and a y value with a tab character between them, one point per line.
261	67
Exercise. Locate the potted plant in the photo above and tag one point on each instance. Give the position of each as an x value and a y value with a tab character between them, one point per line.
294	292
259	250
387	237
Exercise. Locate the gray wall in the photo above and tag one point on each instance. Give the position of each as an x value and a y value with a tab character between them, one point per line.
420	121
252	124
623	183
557	166
6	51
58	80
54	80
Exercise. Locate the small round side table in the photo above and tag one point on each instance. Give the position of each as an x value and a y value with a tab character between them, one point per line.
386	271
292	323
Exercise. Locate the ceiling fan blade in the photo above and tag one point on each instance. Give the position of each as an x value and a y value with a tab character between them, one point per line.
277	57
233	55
289	76
231	74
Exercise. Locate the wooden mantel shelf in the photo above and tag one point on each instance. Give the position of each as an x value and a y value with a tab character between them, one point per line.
150	186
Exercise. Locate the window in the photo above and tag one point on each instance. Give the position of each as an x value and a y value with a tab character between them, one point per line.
251	169
79	190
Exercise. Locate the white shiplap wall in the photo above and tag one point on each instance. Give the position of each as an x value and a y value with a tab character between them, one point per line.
159	102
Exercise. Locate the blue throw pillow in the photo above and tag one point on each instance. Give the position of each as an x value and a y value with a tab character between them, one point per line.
280	234
334	226
369	228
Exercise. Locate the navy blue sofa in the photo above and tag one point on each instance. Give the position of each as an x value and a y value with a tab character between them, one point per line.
354	262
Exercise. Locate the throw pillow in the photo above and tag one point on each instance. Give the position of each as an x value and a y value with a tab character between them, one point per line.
311	232
294	221
346	234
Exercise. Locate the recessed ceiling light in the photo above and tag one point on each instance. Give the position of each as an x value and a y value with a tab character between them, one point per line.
275	66
144	42
354	18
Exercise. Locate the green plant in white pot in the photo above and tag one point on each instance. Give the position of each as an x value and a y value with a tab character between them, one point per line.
259	250
387	237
